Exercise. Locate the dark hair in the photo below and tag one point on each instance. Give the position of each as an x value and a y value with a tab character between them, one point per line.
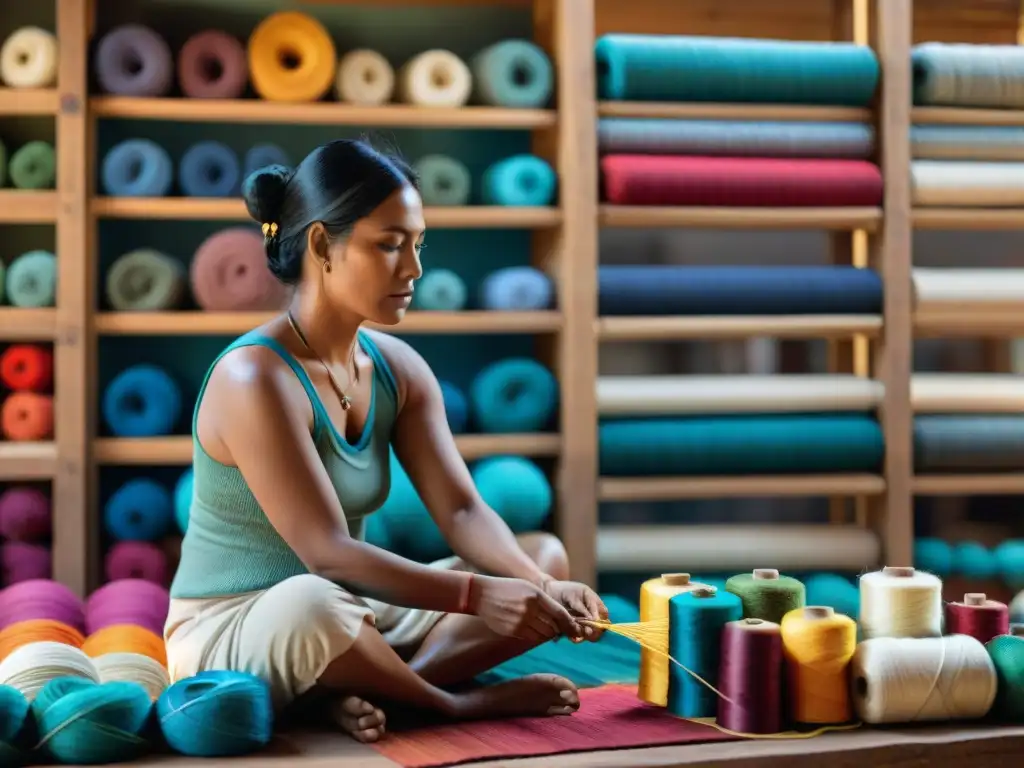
337	184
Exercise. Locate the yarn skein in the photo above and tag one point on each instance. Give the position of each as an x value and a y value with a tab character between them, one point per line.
818	644
910	680
900	602
14	715
654	667
978	617
750	677
32	666
696	622
126	638
14	636
133	668
766	595
1007	654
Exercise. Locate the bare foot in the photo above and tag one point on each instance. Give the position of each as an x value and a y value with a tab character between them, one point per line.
359	719
531	696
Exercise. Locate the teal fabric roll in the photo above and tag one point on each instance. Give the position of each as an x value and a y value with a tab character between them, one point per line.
972	443
715	69
724	445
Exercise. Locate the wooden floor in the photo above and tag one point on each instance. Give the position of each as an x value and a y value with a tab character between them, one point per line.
936	747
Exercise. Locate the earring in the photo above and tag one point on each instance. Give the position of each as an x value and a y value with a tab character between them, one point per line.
327	266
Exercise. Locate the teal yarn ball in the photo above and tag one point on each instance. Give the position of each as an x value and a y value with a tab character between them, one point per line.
934	556
974	560
408	526
516	489
217	714
1009	558
14	718
1007	654
84	723
183	499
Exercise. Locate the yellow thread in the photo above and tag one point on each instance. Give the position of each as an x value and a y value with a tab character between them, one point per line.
819	644
655	595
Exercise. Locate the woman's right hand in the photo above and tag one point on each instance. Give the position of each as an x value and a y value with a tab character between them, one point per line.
517	608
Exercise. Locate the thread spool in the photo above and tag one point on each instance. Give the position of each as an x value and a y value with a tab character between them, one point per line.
908	680
767	595
978	617
696	622
126	638
818	644
654	598
900	602
1007	654
750	677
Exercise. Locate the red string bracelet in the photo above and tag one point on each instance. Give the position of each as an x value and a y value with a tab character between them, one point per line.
467	592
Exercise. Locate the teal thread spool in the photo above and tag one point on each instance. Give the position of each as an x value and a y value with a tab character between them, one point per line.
696	622
13	721
766	595
1007	654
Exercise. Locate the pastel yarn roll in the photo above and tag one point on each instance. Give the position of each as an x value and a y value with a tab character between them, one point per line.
212	65
22	561
517	289
291	58
441	290
139	510
229	274
513	74
209	169
126	639
27	417
145	280
27	367
133	668
25	514
23	633
32	280
365	78
133	60
41	599
137	560
33	166
137	168
31	667
521	180
654	598
435	78
14	719
128	601
444	181
28	59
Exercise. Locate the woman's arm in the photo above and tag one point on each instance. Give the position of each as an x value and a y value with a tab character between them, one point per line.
424	444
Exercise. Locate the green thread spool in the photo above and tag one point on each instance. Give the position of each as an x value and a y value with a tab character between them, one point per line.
1007	654
766	595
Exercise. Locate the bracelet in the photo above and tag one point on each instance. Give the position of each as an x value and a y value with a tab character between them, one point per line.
467	593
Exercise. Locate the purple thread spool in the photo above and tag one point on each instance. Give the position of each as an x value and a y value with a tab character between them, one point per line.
24	514
41	599
128	601
21	561
136	560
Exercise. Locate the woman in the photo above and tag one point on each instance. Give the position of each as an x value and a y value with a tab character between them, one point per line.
291	436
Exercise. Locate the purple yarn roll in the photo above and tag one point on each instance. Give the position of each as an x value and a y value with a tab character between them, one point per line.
41	599
24	562
24	514
128	601
136	560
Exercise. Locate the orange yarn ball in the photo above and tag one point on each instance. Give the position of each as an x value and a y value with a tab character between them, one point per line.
126	638
36	631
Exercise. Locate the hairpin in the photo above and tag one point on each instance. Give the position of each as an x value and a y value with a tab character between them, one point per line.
270	230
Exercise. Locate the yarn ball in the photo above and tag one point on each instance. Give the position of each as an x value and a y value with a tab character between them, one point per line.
13	724
24	511
41	599
126	638
409	528
128	601
134	668
83	722
1010	562
456	407
934	556
516	489
31	667
217	714
1007	654
974	560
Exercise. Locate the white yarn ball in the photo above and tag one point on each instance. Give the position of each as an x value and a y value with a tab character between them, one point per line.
133	668
900	602
30	667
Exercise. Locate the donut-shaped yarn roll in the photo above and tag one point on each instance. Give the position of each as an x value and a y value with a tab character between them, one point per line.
365	78
139	510
128	601
435	78
229	274
209	169
133	60
32	280
27	417
33	166
444	181
456	407
261	155
22	561
514	395
137	168
28	59
291	58
440	290
136	560
517	289
142	401
145	280
512	73
27	367
212	65
522	180
41	599
25	514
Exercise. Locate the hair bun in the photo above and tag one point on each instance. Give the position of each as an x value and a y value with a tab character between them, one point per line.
264	192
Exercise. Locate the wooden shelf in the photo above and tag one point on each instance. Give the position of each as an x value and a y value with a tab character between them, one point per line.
27	206
655	328
177	450
231	209
958	116
970	321
27	461
968	219
318	113
752	112
28	102
841	219
969	485
23	324
735	487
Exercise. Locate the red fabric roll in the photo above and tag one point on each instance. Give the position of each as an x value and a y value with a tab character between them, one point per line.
27	367
739	182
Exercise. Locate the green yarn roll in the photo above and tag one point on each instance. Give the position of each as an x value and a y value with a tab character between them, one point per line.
145	280
13	720
1007	654
713	69
32	280
766	595
34	166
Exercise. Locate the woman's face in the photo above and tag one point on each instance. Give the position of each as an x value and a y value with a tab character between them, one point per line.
372	272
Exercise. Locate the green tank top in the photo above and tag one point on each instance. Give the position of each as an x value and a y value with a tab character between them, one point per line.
230	546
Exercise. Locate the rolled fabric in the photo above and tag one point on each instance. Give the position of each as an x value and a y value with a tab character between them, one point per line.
364	78
142	401
27	367
291	58
441	290
28	59
27	417
32	280
513	74
229	274
137	168
145	280
209	169
212	65
136	560
133	60
517	289
33	166
435	78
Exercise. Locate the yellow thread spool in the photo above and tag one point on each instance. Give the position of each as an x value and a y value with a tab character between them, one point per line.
818	644
654	597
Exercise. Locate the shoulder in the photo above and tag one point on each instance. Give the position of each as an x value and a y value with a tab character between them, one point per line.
254	378
413	377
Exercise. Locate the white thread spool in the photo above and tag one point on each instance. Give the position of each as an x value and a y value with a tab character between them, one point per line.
900	602
28	59
364	78
906	680
435	78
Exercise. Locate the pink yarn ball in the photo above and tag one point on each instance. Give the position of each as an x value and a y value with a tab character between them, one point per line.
23	562
41	599
128	601
137	560
24	514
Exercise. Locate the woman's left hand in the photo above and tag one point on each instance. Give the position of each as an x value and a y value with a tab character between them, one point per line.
582	602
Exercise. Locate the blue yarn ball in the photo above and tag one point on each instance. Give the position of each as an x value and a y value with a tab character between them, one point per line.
974	560
1009	557
516	489
14	720
140	510
456	407
217	714
183	499
410	530
934	556
514	395
82	722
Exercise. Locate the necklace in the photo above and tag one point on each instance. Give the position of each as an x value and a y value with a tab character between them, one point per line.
346	401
